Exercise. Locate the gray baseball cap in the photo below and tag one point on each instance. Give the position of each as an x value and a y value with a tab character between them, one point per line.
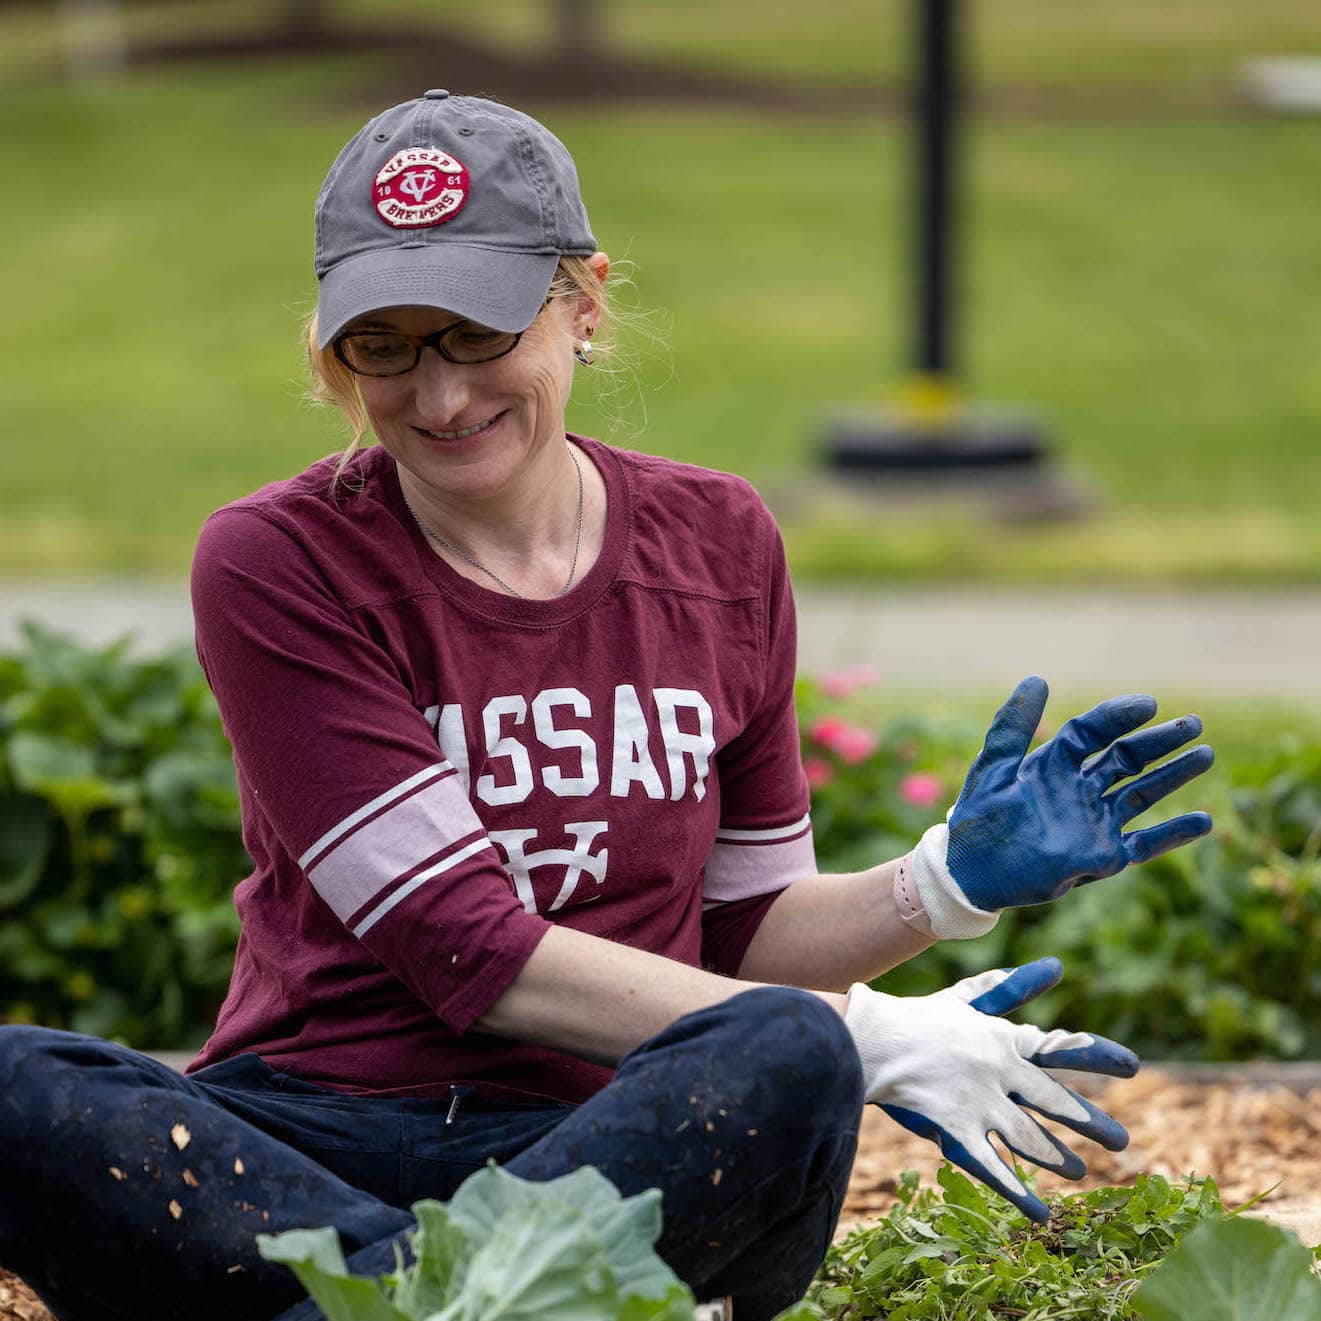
452	202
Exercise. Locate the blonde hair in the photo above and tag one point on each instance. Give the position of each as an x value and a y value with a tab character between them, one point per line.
333	383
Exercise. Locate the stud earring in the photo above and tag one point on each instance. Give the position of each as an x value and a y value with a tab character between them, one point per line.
583	353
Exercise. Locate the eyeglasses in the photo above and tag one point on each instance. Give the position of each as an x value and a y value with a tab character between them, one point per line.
391	353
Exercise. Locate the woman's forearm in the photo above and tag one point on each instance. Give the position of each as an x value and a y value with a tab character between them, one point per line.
827	932
599	1000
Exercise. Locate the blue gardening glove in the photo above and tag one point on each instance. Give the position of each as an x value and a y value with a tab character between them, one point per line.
946	1068
1028	828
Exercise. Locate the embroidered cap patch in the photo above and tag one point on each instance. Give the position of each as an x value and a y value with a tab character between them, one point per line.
420	186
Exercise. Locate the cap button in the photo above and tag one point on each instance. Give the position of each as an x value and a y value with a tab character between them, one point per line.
436	94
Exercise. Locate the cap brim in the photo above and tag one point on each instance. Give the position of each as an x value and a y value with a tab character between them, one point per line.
503	290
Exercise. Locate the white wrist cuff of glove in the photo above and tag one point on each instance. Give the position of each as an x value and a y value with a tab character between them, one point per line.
951	916
866	1017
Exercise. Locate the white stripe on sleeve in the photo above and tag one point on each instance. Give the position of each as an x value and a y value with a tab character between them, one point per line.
402	893
741	871
366	810
726	836
373	856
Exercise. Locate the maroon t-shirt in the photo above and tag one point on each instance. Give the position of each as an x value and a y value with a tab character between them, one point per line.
431	772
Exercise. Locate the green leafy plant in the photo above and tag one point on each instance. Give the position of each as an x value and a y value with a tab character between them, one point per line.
573	1249
963	1253
1236	1270
119	843
505	1249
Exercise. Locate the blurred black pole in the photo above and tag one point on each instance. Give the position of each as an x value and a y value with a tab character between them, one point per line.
933	220
930	441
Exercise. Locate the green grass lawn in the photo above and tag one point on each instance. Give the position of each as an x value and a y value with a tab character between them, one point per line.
1148	286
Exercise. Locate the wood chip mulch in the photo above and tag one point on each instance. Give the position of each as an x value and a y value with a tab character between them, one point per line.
1248	1136
17	1303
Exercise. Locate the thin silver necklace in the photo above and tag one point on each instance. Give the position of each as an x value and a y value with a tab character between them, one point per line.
463	554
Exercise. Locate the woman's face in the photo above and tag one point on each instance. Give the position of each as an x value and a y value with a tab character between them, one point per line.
517	402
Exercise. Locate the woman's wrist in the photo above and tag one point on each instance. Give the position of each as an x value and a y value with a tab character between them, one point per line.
831	931
838	1001
907	901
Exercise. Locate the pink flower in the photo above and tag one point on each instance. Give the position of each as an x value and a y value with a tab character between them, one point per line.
819	773
850	743
846	682
826	729
921	789
855	745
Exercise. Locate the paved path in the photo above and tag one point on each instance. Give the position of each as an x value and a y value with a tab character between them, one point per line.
1226	644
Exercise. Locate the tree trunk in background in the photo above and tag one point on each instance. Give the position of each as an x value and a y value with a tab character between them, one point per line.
95	47
305	15
577	28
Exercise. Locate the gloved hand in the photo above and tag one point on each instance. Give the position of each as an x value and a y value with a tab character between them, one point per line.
946	1069
1028	828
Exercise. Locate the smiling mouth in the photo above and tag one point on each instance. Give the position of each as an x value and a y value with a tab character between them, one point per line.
465	432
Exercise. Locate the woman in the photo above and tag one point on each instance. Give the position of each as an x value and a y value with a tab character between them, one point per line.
513	719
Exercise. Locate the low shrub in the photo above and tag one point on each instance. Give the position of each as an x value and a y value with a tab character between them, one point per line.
120	846
119	843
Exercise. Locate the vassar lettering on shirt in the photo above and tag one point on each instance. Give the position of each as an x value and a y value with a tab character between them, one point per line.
544	744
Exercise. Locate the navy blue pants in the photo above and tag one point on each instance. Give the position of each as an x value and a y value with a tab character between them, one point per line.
744	1114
